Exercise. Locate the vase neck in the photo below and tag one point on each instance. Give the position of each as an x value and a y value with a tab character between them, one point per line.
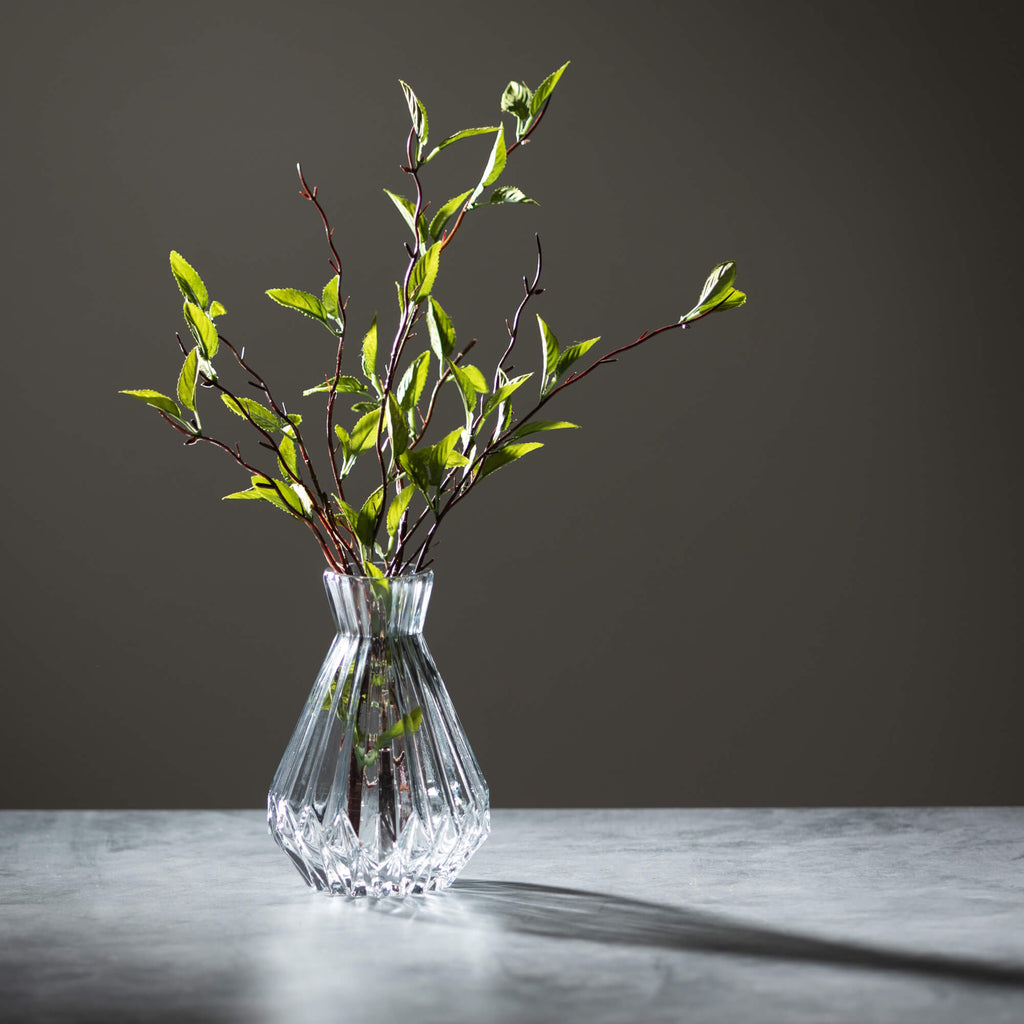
366	606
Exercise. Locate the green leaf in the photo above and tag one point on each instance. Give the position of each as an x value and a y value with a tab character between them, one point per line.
551	350
444	452
372	570
733	299
442	333
426	467
202	329
413	381
363	436
718	283
496	161
281	495
516	100
251	495
471	383
501	395
536	426
509	194
251	411
189	282
717	293
398	507
398	429
418	113
288	460
329	298
216	310
415	464
445	214
424	273
407	209
464	134
572	353
503	456
405	726
366	522
156	400
368	406
545	89
302	302
187	380
370	353
342	385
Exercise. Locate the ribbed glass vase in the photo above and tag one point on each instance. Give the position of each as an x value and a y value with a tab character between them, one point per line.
378	792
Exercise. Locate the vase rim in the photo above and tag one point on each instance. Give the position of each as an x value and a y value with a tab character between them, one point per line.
423	574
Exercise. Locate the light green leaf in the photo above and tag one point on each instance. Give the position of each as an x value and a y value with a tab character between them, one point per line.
251	411
217	309
302	302
363	436
733	299
471	383
445	214
187	380
516	100
444	452
572	353
368	406
551	350
329	298
536	426
190	284
288	460
418	113
375	572
717	292
503	456
509	194
413	381
407	208
156	400
426	467
464	134
442	333
398	429
501	395
280	495
496	161
424	273
370	353
202	329
251	495
545	89
344	386
398	507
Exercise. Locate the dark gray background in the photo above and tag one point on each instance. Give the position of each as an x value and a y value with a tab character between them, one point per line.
779	565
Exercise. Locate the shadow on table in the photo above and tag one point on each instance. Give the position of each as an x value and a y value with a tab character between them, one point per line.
576	914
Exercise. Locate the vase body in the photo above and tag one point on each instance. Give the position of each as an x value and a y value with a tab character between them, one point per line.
378	792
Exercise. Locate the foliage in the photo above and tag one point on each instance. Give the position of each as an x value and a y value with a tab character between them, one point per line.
421	474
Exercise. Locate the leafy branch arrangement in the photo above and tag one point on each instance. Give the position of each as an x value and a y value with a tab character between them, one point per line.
420	477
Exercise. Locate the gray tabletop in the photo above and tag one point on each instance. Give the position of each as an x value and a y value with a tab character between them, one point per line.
745	916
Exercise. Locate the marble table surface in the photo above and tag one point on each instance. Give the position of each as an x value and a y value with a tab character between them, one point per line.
632	916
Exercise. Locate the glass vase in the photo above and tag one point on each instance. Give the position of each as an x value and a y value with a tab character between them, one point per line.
378	792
